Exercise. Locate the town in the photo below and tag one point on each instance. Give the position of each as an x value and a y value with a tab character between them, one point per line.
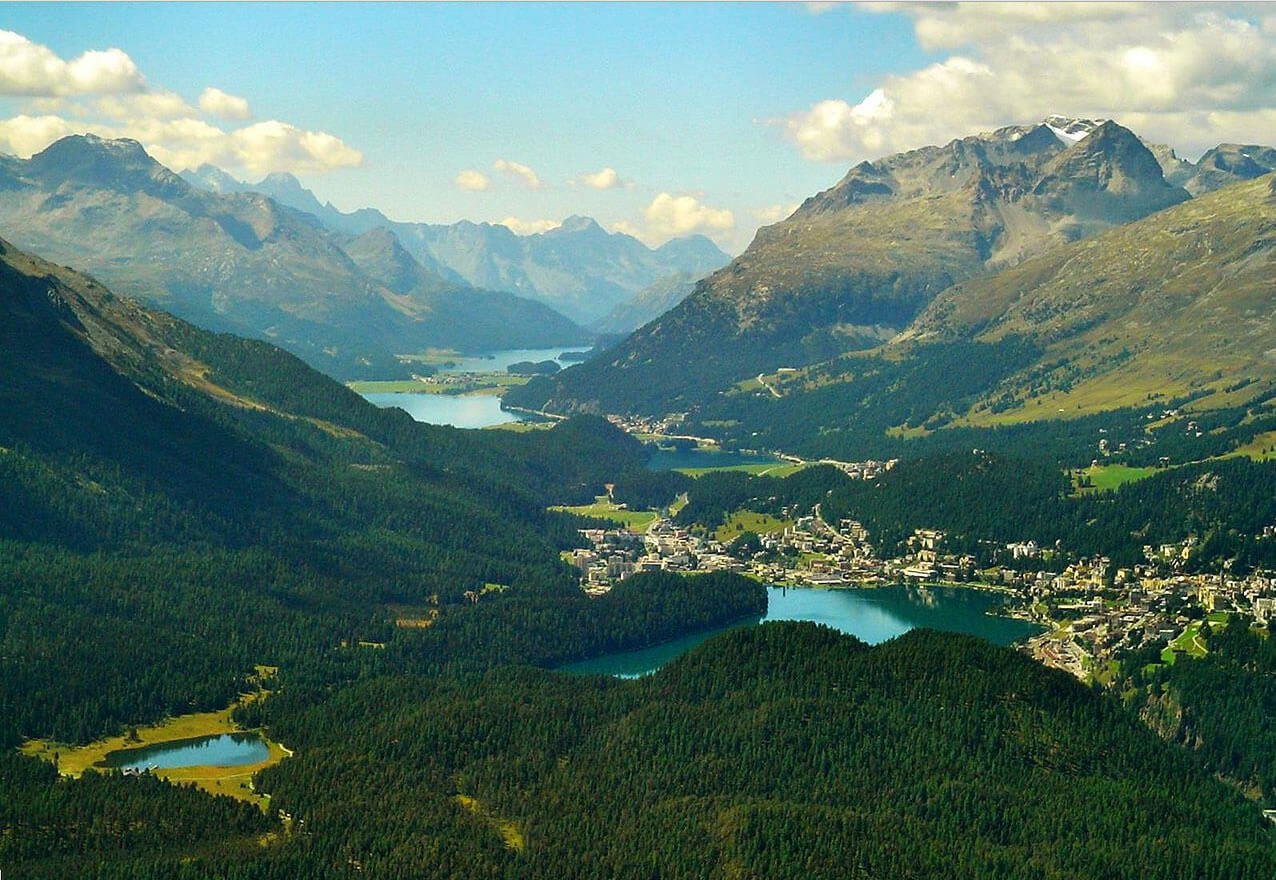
1090	614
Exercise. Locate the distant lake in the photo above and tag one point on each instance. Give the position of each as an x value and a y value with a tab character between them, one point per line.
469	410
221	750
669	459
498	361
872	615
459	411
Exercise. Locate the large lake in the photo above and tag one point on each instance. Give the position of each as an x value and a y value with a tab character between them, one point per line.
221	750
459	411
469	410
872	615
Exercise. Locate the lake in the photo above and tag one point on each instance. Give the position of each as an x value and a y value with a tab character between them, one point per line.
469	410
459	411
220	750
872	615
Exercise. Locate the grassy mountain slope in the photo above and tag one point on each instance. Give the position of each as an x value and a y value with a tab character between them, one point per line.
1177	303
856	263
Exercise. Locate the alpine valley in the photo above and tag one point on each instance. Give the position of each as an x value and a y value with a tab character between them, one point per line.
204	533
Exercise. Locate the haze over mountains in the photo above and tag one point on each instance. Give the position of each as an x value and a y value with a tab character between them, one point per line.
855	265
577	268
246	263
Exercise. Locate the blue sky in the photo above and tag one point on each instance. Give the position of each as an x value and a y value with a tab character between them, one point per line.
711	117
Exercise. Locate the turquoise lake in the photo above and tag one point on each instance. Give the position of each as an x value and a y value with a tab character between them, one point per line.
221	750
872	615
469	410
459	411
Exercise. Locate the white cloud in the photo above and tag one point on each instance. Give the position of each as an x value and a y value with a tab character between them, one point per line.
471	180
669	216
103	92
773	213
140	105
188	143
24	135
219	103
528	227
1188	75
603	178
27	68
518	172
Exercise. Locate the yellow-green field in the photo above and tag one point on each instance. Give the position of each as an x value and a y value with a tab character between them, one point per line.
1261	448
444	383
604	509
520	427
1109	476
232	781
748	521
1188	642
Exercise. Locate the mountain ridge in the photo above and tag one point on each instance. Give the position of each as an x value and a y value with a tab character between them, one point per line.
240	261
578	268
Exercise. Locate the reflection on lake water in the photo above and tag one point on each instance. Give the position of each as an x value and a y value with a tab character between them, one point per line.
459	411
872	615
221	750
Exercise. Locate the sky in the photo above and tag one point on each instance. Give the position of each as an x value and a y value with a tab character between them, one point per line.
656	119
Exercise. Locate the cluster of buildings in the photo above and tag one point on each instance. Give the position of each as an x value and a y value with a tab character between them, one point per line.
1091	613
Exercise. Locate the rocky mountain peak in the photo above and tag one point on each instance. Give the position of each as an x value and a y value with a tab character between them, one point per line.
578	225
118	164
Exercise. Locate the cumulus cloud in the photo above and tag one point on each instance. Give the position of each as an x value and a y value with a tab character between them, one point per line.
773	213
219	103
528	227
603	178
161	105
188	143
29	69
24	135
519	172
103	92
471	180
1187	75
669	216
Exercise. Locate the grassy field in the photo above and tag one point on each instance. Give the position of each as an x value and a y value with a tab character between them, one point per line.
604	509
520	427
1261	448
1188	642
232	781
472	383
748	521
1109	476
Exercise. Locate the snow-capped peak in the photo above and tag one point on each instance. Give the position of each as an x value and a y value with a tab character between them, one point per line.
1070	130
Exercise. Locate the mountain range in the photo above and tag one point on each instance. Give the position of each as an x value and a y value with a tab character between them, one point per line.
576	268
928	234
245	263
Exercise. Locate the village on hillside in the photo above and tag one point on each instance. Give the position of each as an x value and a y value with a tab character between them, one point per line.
1090	617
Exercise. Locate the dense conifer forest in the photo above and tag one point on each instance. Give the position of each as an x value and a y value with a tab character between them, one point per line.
177	508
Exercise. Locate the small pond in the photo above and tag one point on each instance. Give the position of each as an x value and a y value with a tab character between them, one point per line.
220	750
